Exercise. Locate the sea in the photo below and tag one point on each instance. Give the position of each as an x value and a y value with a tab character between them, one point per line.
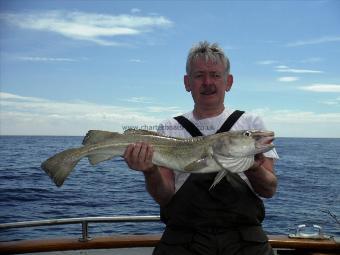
308	192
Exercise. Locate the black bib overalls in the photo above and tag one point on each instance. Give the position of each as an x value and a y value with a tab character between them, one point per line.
224	220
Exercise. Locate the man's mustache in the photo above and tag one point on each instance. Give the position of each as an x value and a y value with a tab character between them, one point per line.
208	89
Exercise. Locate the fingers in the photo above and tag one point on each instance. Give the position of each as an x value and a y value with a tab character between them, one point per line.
259	160
143	149
139	156
128	151
259	157
149	154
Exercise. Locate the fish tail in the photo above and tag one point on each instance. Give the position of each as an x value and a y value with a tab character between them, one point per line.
61	165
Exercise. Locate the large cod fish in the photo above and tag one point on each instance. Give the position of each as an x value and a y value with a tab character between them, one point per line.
229	151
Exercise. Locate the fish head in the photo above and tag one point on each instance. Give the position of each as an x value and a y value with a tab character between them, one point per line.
243	143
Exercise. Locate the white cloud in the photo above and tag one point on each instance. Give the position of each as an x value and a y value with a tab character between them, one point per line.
311	60
330	102
12	97
288	79
98	28
297	117
135	10
46	59
286	69
325	39
35	116
296	123
135	60
143	100
174	110
230	47
154	109
319	87
266	62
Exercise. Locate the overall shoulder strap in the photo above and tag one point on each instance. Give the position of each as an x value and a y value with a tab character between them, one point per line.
194	131
230	121
188	126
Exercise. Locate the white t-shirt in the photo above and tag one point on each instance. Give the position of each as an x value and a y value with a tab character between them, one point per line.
210	126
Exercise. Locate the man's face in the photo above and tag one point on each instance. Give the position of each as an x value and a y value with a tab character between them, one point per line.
208	83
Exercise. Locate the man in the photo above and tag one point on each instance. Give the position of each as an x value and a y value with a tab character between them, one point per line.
226	219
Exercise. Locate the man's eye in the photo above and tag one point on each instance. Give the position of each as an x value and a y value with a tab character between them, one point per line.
216	75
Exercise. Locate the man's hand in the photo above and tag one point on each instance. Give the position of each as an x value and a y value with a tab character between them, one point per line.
259	160
262	176
138	157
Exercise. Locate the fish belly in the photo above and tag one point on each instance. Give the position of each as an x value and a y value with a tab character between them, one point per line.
189	163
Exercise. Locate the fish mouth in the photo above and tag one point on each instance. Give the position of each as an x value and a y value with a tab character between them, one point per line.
263	141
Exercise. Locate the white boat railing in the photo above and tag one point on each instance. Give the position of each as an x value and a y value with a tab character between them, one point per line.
84	221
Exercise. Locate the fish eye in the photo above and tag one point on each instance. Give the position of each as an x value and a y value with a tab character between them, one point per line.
247	133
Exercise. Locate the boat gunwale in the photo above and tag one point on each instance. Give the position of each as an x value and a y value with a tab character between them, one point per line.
129	241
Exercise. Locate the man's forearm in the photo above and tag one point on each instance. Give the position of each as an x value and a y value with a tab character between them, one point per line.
263	179
160	185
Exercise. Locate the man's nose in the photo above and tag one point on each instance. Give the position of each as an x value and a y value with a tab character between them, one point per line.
207	79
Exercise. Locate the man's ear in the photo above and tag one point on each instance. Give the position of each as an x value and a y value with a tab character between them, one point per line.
230	80
187	82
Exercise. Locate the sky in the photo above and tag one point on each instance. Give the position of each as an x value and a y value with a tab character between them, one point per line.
70	66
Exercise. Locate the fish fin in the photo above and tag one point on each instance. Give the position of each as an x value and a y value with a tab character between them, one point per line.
96	136
197	165
234	164
60	165
131	131
97	158
218	178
